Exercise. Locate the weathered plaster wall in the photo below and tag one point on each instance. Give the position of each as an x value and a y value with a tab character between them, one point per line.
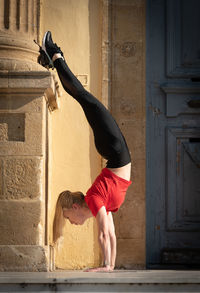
73	161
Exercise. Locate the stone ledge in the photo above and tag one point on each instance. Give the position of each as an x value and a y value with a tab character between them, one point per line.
39	82
115	277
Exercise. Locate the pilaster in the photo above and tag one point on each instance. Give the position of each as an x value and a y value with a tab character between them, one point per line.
125	50
19	26
27	91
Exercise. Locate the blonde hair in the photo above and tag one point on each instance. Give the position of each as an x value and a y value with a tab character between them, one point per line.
65	200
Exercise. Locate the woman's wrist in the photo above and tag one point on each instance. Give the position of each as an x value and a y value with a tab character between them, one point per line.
106	264
112	267
109	266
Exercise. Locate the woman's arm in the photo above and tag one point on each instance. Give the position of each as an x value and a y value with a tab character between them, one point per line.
104	240
104	235
107	240
113	242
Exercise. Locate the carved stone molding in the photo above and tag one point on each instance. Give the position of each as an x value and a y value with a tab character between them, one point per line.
52	94
41	82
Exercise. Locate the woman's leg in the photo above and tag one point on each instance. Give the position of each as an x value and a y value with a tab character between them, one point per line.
109	140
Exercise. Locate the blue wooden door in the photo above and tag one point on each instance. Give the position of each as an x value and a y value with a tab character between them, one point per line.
173	132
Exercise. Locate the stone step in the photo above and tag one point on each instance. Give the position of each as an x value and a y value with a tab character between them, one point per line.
117	281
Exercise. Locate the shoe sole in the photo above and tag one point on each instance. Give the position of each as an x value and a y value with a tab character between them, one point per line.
43	42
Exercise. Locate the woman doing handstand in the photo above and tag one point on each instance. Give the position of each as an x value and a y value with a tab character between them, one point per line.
108	190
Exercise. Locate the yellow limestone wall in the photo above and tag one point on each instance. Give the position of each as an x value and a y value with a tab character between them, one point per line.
73	160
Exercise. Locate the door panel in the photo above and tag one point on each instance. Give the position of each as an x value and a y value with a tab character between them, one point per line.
183	179
183	42
173	132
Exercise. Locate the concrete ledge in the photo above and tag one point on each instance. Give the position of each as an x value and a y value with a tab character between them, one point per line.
118	281
116	277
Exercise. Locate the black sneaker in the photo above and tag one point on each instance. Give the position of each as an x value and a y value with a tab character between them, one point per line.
44	59
49	46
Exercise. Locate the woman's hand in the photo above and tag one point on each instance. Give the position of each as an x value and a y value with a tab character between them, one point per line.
100	269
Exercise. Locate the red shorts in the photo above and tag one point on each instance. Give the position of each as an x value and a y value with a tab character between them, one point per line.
108	190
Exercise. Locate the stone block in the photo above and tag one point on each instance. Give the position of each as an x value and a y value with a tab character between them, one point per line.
138	171
3	131
35	134
22	123
131	254
12	126
28	139
134	132
130	220
1	177
21	222
125	107
128	107
129	17
24	103
125	86
22	258
22	178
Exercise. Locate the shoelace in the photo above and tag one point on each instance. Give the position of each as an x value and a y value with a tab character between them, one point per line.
59	49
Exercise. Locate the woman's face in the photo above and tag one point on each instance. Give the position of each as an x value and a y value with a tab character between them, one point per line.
74	215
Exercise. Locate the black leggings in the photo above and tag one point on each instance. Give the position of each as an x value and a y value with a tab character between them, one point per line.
109	141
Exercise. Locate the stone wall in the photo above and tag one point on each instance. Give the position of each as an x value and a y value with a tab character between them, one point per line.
127	104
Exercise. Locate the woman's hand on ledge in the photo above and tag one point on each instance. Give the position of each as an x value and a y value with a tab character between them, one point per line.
100	269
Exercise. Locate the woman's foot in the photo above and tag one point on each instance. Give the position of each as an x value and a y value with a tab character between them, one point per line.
49	51
49	47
